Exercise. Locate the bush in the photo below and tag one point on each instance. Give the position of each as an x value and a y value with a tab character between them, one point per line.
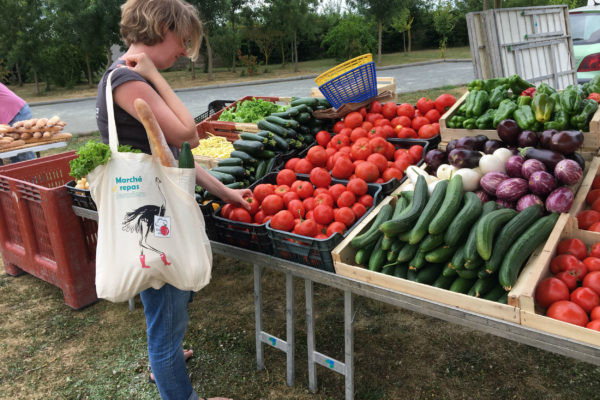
350	38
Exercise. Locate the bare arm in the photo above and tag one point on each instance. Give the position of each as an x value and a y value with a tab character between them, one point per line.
214	186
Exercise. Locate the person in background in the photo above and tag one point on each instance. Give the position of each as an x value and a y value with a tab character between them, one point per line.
157	33
14	109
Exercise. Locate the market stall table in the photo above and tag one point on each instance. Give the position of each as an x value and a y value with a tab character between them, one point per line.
508	330
35	148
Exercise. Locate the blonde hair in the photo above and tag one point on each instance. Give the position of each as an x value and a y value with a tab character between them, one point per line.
147	22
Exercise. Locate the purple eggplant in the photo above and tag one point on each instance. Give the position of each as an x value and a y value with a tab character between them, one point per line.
492	145
568	172
529	200
490	181
463	158
527	138
549	157
566	142
560	200
480	141
508	131
434	158
546	138
466	142
530	166
451	145
505	203
514	165
577	158
483	196
512	189
541	183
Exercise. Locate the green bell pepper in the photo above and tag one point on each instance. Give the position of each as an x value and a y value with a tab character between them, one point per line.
556	97
542	106
469	123
470	101
570	100
518	84
505	111
559	121
476	84
581	119
479	103
524	101
490	84
524	117
498	94
455	121
462	110
486	120
545	88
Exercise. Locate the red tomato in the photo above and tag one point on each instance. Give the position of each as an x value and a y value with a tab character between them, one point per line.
586	298
377	132
378	145
418	122
336	190
389	110
340	141
366	200
345	132
353	120
309	203
359	210
389	151
323	137
594	96
240	214
226	210
325	199
262	190
391	173
425	104
335	227
303	188
427	131
406	110
595	227
592	196
286	177
343	168
595	205
596	182
570	264
444	102
289	196
375	107
561	262
338	126
296	207
321	190
551	290
567	311
317	156
358	133
272	204
320	177
346	199
303	166
595	325
382	122
259	217
367	171
361	150
595	313
357	186
568	278
416	152
254	205
407	133
592	263
592	281
595	250
308	227
372	117
345	215
587	218
379	160
388	131
573	246
291	163
281	190
323	214
283	220
367	126
433	115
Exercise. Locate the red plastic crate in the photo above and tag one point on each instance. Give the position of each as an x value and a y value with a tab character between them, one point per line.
40	234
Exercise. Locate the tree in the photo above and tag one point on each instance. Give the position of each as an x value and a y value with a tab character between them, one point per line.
403	23
210	12
265	38
350	38
444	22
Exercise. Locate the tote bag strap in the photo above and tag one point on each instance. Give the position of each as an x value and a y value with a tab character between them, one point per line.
113	138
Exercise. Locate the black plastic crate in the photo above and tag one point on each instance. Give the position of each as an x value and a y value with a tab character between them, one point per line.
213	108
240	234
309	251
208	211
81	197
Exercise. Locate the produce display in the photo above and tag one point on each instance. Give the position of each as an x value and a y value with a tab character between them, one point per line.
540	108
589	219
572	293
36	130
251	111
213	146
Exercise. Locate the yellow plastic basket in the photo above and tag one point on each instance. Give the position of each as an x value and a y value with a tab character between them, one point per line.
342	68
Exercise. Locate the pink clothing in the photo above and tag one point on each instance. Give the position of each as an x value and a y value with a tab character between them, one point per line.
10	104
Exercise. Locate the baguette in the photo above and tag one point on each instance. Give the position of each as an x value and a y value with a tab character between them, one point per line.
26	135
53	121
37	135
10	145
62	135
158	144
41	123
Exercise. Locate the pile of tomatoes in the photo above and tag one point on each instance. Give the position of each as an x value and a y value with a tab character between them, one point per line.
312	208
590	219
572	294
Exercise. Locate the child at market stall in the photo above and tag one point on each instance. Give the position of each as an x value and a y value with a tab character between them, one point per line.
158	33
14	109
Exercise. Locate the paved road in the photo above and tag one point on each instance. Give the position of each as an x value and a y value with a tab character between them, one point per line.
80	114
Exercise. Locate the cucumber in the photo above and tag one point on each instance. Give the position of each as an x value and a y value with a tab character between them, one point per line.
449	207
448	272
270	165
443	281
458	259
518	253
440	255
487	229
467	274
389	269
222	177
483	286
429	273
411	274
471	243
392	254
237	171
286	123
406	221
261	169
403	236
495	293
465	218
373	233
186	158
503	299
386	244
431	242
401	205
250	147
377	257
474	264
509	233
309	101
461	285
418	260
401	271
230	162
271	127
407	252
362	255
245	157
483	274
435	201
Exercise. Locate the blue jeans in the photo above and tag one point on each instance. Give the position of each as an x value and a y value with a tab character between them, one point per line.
166	321
24	113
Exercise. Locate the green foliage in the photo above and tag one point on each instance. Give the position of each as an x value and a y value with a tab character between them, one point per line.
444	22
351	37
251	111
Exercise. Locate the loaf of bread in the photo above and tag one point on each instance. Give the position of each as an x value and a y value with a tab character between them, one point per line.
158	144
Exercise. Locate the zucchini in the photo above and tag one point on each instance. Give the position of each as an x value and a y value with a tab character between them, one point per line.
250	147
270	165
449	207
309	101
303	117
271	127
406	221
238	172
372	234
429	273
254	136
465	218
362	255
283	114
401	271
280	142
245	157
230	162
291	112
261	169
435	201
265	134
431	242
324	102
440	255
236	185
471	243
186	158
222	177
407	252
286	123
509	233
377	257
487	229
265	154
518	253
461	285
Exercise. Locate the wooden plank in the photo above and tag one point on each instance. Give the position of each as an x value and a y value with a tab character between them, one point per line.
556	327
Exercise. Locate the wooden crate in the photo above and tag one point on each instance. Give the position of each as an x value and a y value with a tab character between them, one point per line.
343	258
523	294
591	139
232	130
383	84
579	203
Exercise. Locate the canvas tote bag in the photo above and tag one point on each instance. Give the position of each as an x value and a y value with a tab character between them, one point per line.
150	228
